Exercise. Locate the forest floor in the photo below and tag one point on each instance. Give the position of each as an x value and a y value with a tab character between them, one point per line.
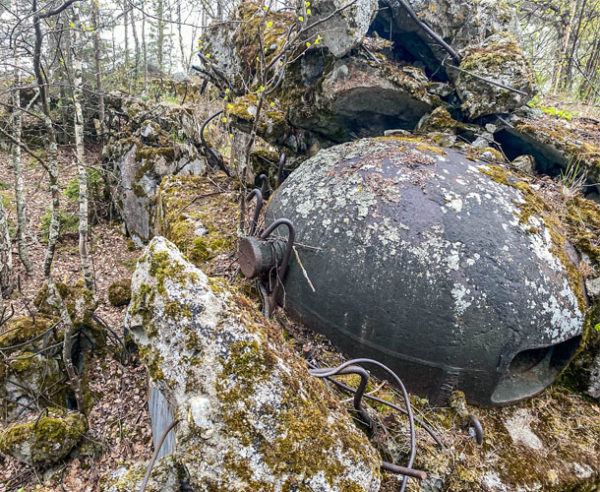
119	421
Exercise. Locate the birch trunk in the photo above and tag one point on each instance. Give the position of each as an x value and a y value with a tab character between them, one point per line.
98	66
86	264
6	282
17	126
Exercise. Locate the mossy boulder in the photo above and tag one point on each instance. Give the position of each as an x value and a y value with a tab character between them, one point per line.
200	215
81	304
29	380
251	416
500	59
44	440
556	146
119	293
27	333
166	476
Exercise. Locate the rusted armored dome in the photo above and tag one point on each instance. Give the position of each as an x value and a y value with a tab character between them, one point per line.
438	266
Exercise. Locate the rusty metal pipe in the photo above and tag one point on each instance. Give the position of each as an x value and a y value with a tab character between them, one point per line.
402	470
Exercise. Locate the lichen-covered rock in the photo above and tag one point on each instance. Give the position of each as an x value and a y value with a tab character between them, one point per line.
140	169
363	96
343	31
81	304
498	58
468	249
250	415
556	146
166	476
27	381
119	293
45	440
26	333
200	215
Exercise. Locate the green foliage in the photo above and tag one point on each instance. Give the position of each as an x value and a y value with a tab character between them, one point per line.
4	185
94	179
68	223
597	327
551	110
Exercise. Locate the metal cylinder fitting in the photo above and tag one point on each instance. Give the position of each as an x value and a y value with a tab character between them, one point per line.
257	256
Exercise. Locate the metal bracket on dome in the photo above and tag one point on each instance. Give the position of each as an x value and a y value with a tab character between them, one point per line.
265	257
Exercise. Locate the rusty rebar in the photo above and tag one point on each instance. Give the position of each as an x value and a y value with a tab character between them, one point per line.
328	372
257	209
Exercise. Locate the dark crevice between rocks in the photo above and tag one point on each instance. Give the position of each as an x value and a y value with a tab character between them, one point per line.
548	160
409	47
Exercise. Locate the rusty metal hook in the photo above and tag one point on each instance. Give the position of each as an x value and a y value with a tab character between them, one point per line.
259	205
264	183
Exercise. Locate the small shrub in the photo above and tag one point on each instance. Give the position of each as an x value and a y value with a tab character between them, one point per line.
68	224
95	184
119	293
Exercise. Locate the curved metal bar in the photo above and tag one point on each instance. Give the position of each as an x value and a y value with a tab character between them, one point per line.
259	205
208	148
409	413
358	393
264	182
288	251
282	160
478	429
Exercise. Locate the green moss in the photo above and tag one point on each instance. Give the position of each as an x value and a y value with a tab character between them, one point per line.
119	293
20	330
190	203
46	440
153	361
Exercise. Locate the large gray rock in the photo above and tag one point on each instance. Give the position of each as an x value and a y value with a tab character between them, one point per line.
500	59
343	31
139	164
486	33
451	271
363	97
250	415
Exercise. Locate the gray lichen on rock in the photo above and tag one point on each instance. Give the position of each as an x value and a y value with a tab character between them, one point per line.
251	417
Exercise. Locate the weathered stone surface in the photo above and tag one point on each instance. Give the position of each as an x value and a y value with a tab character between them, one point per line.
499	59
166	476
363	97
524	163
43	441
343	31
251	417
431	237
25	382
81	304
200	215
555	145
140	162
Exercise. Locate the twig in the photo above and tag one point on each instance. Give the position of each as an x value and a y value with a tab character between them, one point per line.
155	455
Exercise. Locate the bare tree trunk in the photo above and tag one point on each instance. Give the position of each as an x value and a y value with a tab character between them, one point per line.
6	280
565	36
17	123
98	66
144	51
160	39
137	49
52	169
86	264
126	35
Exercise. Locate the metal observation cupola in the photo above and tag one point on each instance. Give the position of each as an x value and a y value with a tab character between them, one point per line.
424	260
